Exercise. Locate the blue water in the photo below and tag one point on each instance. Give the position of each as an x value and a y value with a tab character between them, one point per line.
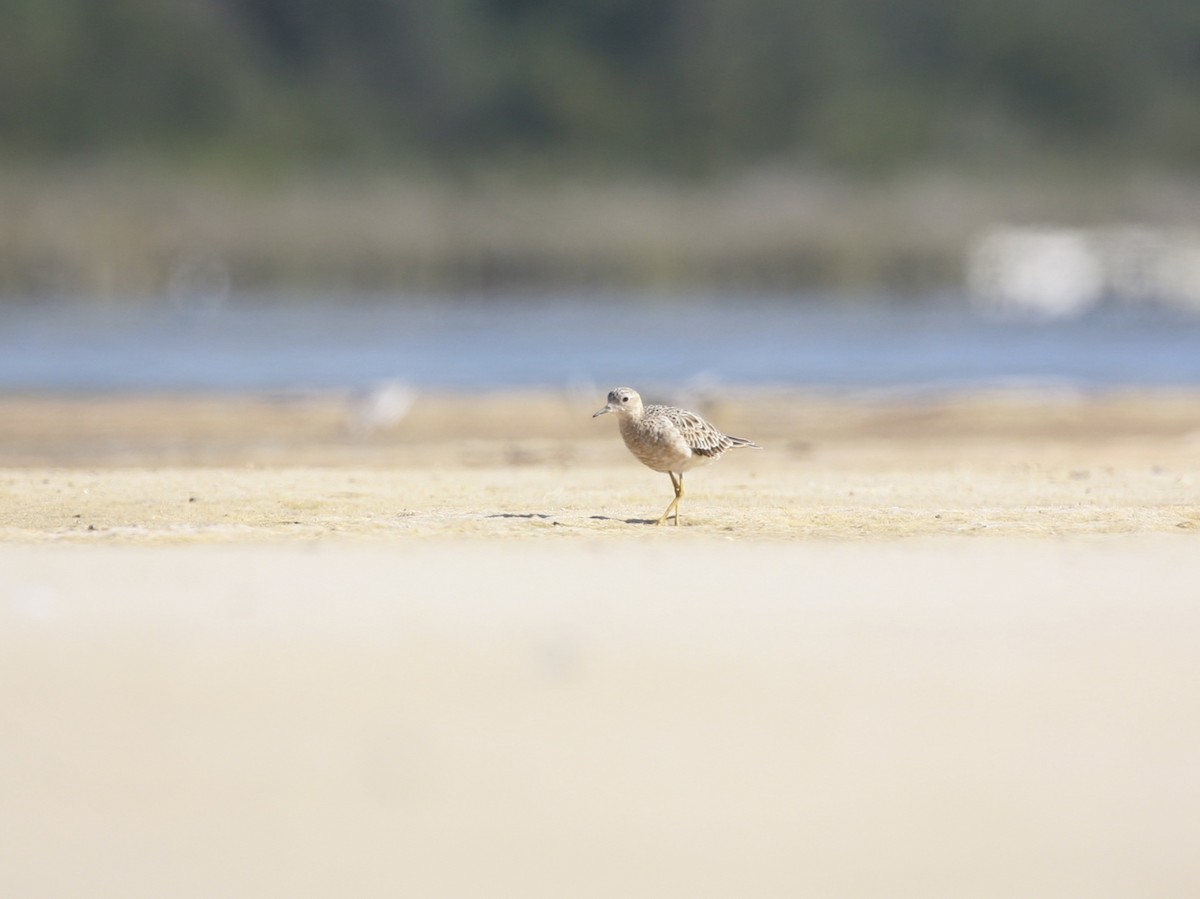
483	342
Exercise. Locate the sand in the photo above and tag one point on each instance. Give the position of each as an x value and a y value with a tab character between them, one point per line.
917	646
536	466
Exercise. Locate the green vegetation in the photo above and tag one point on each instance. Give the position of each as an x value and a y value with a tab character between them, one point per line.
679	87
478	144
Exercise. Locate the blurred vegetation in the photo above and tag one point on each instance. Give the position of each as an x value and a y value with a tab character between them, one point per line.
471	144
682	87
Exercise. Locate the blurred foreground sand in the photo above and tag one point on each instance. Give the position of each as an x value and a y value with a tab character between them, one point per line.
232	664
939	717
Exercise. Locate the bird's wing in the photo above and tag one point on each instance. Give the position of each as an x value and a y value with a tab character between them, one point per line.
701	437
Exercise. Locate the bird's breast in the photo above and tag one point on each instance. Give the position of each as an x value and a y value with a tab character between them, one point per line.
659	448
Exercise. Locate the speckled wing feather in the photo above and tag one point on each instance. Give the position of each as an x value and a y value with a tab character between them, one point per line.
701	437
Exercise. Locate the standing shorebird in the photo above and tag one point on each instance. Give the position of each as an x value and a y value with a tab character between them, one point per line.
668	439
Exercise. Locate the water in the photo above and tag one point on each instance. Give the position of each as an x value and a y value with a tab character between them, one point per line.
606	340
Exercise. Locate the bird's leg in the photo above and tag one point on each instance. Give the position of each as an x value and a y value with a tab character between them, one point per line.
674	506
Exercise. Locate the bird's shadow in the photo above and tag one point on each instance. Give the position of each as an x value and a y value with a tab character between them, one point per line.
545	517
625	520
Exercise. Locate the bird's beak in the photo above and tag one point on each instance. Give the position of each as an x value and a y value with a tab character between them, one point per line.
607	408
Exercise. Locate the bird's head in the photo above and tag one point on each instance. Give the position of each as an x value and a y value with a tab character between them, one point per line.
622	400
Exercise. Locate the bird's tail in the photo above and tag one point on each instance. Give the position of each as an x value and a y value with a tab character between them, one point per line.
742	441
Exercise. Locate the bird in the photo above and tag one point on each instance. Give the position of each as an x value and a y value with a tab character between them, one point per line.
667	438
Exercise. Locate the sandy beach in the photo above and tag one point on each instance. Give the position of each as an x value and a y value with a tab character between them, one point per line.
289	646
181	468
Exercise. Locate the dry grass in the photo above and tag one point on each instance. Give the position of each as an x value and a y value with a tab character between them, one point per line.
133	233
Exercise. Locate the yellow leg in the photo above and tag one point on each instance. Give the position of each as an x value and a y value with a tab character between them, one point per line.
674	506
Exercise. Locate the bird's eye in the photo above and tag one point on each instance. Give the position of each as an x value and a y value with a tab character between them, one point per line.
624	399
